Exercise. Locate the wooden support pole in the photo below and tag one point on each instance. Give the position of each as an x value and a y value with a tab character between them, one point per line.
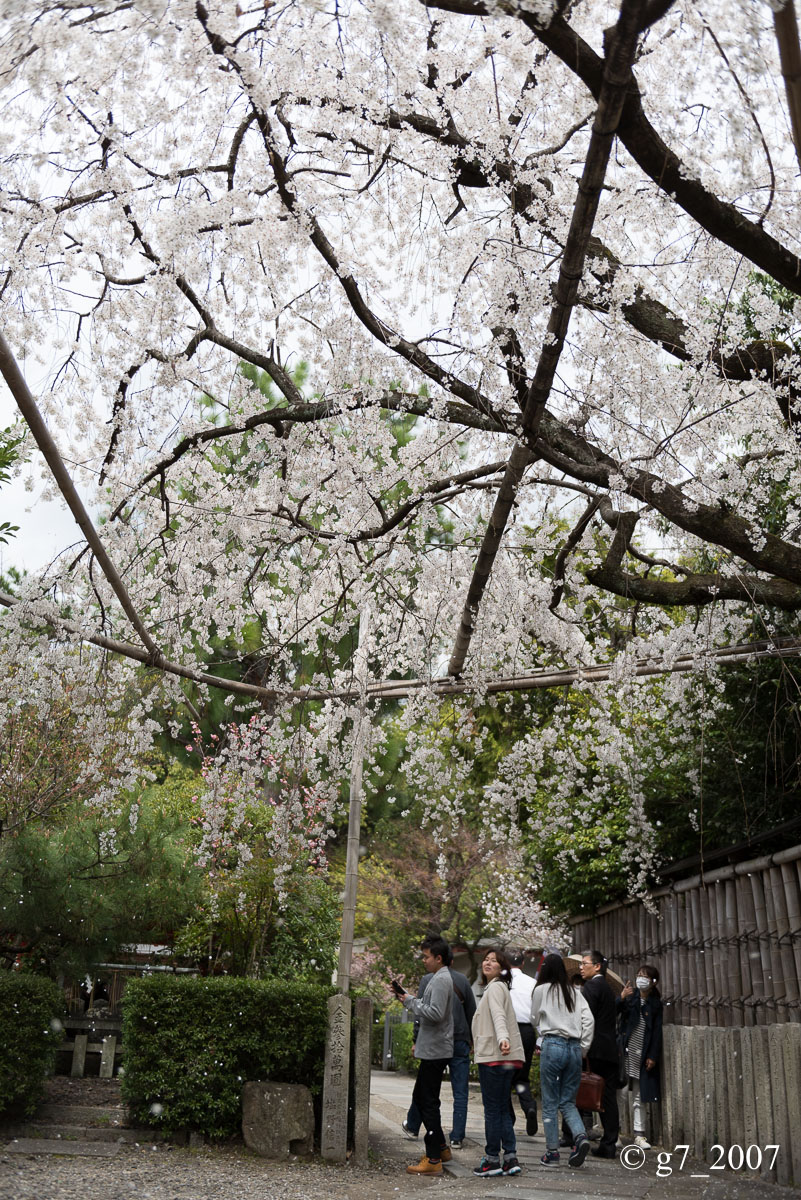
354	811
336	1082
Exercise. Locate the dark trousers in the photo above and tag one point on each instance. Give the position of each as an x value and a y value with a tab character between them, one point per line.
496	1093
521	1079
426	1097
459	1070
610	1117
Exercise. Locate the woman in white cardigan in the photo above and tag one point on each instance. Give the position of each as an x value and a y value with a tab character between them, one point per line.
563	1019
498	1051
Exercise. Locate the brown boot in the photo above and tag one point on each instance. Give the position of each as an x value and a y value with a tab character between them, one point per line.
425	1167
445	1154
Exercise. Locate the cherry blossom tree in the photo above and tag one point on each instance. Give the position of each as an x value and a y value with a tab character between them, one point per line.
562	237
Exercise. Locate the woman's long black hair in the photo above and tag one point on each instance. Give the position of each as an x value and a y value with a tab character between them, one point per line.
553	972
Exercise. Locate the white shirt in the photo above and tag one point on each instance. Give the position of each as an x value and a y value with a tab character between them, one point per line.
520	991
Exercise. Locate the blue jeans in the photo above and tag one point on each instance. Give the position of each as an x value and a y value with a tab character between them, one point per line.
459	1070
496	1092
560	1075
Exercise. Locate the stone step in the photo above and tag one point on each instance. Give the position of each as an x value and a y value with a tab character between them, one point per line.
86	1149
83	1114
82	1133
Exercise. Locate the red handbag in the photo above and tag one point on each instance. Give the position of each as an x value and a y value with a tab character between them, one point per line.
590	1091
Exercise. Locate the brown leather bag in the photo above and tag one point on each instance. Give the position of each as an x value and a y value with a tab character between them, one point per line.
590	1092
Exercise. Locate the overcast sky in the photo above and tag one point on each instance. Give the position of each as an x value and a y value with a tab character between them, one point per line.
45	526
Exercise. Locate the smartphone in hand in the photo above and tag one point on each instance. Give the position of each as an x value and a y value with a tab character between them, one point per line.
397	988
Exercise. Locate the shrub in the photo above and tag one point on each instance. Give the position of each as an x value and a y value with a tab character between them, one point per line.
402	1042
191	1044
32	1009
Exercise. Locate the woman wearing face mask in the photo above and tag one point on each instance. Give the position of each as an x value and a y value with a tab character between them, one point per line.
643	1041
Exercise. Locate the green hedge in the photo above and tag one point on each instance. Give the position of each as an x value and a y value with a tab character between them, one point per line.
32	1010
402	1042
190	1044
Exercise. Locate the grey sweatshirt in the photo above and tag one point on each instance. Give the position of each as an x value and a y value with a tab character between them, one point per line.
434	1011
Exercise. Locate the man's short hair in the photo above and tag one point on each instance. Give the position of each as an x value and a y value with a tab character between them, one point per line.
516	957
439	948
596	958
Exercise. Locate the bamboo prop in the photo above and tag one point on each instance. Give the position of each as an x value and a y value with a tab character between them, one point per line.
707	899
792	892
736	991
786	29
654	928
633	949
761	953
789	971
707	955
697	949
721	952
684	964
757	880
749	957
671	917
676	955
771	884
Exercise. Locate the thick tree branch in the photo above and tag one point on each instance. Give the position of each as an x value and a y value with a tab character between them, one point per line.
696	589
35	422
786	27
718	217
622	47
766	359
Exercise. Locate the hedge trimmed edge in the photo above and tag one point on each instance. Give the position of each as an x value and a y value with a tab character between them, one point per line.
191	1044
33	1011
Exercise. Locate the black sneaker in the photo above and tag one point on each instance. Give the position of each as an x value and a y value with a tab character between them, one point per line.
531	1122
488	1166
456	1143
579	1152
410	1133
511	1166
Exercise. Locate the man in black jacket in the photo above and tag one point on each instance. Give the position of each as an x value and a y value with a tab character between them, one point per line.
603	1051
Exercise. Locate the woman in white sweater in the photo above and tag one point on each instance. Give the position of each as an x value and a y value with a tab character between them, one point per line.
563	1019
498	1051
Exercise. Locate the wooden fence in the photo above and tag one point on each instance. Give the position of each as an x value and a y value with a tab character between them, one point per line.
733	1098
727	943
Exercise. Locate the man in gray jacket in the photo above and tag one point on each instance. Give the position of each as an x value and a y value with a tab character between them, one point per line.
433	1049
464	1009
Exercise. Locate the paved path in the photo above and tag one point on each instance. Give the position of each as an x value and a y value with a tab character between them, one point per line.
598	1179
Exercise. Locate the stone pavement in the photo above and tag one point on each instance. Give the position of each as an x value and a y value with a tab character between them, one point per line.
598	1179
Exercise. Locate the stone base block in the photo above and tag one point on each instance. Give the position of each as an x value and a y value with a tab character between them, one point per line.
277	1119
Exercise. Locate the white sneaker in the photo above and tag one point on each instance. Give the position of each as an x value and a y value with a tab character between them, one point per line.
640	1141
